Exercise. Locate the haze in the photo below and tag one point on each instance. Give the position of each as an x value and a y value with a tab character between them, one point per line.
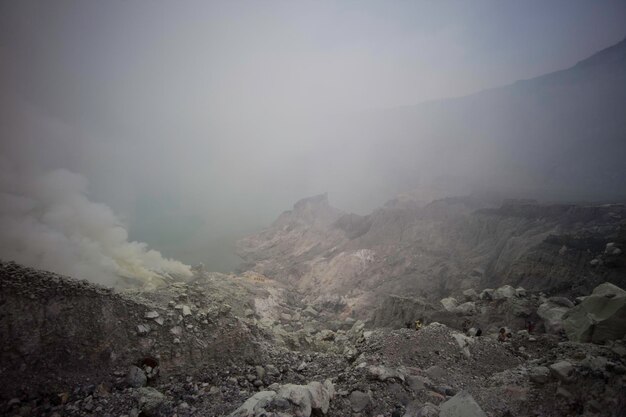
199	122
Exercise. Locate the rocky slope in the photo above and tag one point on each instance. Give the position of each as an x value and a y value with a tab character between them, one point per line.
503	293
247	346
447	246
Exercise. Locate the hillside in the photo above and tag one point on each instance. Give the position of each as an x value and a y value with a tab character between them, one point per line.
445	247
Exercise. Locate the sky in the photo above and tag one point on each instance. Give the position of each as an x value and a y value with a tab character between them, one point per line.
197	122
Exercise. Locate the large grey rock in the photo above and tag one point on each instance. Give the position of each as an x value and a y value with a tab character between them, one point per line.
506	291
150	401
136	377
612	250
464	343
436	372
383	373
466	308
461	405
321	394
294	399
600	317
552	315
470	295
359	401
254	405
143	329
563	370
449	304
417	383
151	315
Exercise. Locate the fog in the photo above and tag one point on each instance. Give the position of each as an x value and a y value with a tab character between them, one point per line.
129	128
47	222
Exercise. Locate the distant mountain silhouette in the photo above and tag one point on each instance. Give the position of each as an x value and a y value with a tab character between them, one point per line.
561	136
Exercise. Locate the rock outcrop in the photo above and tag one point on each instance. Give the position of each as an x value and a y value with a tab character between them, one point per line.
61	329
599	318
439	250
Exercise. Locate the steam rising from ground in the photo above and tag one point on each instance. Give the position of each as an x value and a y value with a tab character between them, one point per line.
48	222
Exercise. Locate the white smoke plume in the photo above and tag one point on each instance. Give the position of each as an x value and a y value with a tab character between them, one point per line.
47	221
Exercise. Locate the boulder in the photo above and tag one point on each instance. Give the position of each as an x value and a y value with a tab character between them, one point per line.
321	394
466	308
186	311
599	318
143	329
136	377
294	399
612	250
359	401
150	401
470	295
417	383
563	371
382	373
151	315
255	404
552	316
298	395
464	343
506	291
461	405
449	304
436	372
520	292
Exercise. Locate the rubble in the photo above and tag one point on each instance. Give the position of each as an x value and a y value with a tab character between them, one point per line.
242	364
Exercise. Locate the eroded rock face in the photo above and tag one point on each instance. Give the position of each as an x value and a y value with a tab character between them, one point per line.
600	317
437	251
62	330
